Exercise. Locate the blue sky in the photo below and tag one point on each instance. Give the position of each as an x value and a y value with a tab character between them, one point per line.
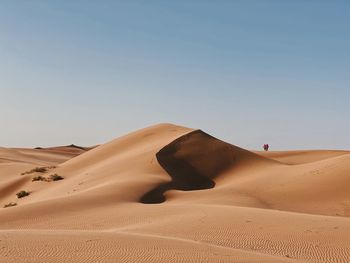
248	72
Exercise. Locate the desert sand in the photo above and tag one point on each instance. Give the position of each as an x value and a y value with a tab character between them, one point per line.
168	193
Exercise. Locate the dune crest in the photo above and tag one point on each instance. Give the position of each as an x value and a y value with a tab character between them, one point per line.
193	161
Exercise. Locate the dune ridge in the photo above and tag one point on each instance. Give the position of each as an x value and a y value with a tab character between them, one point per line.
171	193
191	167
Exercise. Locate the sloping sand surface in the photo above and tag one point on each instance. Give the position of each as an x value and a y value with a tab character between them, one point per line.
172	194
300	157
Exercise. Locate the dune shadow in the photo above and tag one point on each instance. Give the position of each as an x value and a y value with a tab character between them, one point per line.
184	177
189	162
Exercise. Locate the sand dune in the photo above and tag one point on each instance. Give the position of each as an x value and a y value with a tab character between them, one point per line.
300	157
172	194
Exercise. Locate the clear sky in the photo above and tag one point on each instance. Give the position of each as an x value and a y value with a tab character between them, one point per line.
248	72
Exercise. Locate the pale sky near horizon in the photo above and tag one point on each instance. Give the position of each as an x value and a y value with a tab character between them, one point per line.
247	72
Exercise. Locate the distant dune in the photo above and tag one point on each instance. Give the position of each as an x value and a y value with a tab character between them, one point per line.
168	193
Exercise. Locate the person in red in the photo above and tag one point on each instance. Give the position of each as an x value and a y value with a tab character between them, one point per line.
266	147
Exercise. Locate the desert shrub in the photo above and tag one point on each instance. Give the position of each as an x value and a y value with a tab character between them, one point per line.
39	170
10	204
36	170
52	177
56	177
39	178
22	194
